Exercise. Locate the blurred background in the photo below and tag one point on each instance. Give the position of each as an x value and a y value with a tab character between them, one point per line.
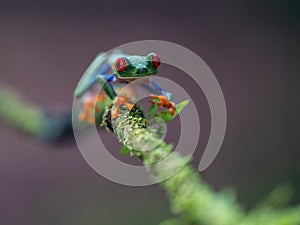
251	46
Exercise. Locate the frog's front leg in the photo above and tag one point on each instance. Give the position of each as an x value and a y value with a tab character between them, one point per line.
106	82
163	101
119	100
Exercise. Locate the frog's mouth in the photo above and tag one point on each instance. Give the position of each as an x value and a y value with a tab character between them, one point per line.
132	78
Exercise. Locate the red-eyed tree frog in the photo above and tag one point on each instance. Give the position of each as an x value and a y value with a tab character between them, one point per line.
117	67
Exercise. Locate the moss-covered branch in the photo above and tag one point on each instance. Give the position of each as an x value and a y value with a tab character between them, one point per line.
191	199
18	113
30	119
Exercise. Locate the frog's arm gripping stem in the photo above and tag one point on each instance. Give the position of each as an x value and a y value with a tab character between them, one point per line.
161	90
105	81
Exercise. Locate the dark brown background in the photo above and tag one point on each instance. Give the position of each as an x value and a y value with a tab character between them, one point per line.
251	46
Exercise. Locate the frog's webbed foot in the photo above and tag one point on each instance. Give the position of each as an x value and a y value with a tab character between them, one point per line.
90	107
121	100
163	102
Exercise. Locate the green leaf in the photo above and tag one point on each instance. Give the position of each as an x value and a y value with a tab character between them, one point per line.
153	109
166	116
125	150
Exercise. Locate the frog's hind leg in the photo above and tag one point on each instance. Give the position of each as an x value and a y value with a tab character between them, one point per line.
90	107
98	66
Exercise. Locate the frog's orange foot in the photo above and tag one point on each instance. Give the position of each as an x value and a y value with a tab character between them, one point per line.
87	116
121	100
163	102
90	108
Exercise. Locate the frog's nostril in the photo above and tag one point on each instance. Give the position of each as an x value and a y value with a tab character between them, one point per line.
142	70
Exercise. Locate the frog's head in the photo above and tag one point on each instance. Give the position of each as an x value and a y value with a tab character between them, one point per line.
133	67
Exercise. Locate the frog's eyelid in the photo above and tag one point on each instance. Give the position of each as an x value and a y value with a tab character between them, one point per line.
126	60
149	56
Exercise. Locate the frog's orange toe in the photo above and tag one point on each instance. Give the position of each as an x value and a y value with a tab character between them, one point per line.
82	116
122	100
115	113
129	105
163	102
91	120
172	110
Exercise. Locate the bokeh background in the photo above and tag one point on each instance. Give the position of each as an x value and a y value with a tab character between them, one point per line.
251	46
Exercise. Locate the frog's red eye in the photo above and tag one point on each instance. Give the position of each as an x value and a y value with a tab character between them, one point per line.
120	65
155	60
